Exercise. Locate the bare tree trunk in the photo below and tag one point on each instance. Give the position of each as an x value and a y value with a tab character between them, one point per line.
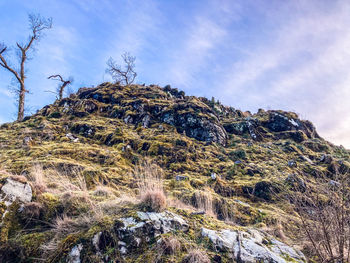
37	25
21	99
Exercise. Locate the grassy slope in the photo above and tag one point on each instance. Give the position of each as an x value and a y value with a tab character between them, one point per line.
109	154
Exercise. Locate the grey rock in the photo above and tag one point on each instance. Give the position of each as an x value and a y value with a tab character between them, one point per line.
292	163
132	232
145	121
334	183
74	254
72	137
296	182
181	178
13	190
27	140
252	246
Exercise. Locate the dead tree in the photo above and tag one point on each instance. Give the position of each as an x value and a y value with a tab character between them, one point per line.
124	76
63	85
324	213
37	25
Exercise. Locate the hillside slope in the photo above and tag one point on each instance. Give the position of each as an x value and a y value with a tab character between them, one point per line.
227	175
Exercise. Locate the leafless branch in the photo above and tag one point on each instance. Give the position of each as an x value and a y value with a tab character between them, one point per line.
324	212
37	25
63	85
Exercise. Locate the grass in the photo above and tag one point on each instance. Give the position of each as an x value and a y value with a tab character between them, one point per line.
96	180
150	186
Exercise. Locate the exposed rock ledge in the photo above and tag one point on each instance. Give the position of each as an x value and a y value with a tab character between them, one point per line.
246	246
252	246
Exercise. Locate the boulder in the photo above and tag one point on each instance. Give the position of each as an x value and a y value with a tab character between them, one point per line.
252	246
132	232
13	190
74	254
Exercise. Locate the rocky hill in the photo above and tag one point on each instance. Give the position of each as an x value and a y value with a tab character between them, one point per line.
73	173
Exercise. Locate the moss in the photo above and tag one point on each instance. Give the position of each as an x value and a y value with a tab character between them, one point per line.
10	223
31	243
52	205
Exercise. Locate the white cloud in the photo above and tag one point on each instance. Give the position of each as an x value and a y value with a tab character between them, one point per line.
304	68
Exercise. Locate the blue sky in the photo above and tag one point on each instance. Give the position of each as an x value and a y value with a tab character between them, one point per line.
250	54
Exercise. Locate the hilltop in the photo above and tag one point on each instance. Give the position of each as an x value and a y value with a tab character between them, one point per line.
228	176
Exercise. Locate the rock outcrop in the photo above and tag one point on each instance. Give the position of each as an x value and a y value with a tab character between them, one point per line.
252	246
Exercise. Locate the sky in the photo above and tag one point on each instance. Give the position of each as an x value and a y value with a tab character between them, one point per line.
291	55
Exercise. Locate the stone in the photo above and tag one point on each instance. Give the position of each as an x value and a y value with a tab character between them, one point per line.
13	190
292	163
213	176
72	137
334	183
74	254
134	231
27	140
145	121
181	178
296	183
252	246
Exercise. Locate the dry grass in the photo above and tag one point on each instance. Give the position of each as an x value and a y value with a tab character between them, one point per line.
103	191
168	246
19	178
203	201
32	210
196	256
37	178
150	184
154	200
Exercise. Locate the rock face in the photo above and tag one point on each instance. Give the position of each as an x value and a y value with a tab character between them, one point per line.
133	232
190	116
245	246
272	124
252	246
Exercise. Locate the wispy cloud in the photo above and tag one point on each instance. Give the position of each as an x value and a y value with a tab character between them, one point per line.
205	33
301	69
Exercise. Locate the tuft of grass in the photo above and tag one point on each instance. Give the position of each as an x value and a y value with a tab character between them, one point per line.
150	185
196	256
169	245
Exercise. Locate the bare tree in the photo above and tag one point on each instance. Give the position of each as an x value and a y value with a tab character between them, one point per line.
37	25
62	85
124	76
324	213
